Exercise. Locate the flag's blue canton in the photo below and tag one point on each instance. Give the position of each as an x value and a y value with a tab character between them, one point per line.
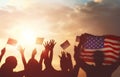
93	42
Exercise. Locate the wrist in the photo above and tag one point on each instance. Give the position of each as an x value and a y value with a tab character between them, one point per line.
1	54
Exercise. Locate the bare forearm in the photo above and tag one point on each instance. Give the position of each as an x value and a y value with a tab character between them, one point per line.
2	53
51	54
40	62
1	57
23	60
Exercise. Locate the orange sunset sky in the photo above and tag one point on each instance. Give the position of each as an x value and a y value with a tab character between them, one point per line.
24	20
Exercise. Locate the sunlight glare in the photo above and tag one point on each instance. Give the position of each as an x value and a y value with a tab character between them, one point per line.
27	37
99	1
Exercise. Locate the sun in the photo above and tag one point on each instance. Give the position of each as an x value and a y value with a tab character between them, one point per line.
27	37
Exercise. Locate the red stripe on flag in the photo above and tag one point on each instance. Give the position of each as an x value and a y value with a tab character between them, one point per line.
110	56
113	37
106	51
108	62
106	42
109	51
107	46
91	60
88	60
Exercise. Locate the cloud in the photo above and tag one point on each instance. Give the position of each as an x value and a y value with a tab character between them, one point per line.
87	18
102	15
94	15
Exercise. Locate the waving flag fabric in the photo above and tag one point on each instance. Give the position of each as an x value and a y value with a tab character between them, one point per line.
12	41
108	44
39	40
65	44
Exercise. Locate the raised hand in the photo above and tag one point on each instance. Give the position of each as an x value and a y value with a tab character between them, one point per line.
34	53
21	49
52	44
63	62
76	54
46	45
3	51
70	65
63	56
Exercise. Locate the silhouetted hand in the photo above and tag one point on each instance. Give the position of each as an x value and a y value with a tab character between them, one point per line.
21	49
63	61
34	53
66	61
76	53
62	55
70	65
3	51
46	45
52	44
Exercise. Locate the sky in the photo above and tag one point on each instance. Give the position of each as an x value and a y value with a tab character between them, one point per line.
55	19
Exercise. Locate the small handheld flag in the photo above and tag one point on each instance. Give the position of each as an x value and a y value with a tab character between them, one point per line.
65	44
39	40
12	41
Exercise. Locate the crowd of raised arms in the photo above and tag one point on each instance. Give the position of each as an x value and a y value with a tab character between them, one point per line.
33	68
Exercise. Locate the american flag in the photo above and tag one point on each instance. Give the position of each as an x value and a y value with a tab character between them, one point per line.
65	44
12	41
108	44
39	40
